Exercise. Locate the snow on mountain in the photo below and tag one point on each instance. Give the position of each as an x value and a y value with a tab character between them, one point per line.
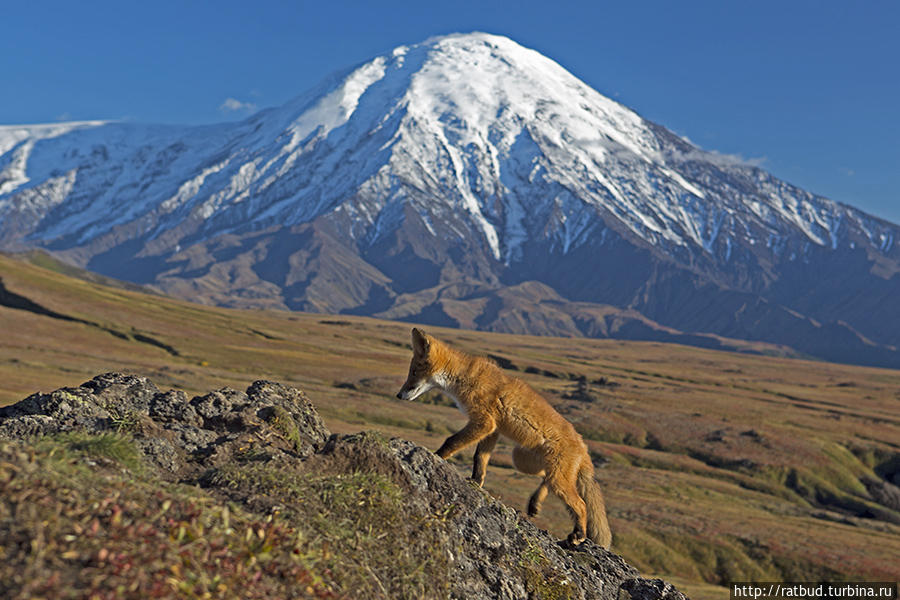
487	143
475	115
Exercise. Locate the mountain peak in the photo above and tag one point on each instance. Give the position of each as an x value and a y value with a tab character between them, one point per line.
499	45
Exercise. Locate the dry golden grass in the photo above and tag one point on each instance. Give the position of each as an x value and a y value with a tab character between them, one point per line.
720	466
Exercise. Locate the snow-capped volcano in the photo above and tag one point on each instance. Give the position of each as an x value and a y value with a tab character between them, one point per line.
425	182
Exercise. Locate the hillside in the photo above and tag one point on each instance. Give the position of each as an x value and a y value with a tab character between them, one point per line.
465	181
196	499
716	466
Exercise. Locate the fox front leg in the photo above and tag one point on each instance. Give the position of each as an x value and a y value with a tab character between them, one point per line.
474	431
537	499
482	456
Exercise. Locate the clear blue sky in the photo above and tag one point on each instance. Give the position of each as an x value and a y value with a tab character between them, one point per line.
810	87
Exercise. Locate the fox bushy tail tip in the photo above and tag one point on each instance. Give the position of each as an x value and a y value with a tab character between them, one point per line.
597	523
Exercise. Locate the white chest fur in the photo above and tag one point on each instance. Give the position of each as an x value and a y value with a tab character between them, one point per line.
441	381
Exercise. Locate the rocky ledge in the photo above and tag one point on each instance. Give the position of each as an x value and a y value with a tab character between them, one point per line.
118	489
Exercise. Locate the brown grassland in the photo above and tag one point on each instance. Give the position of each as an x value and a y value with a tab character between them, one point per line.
716	466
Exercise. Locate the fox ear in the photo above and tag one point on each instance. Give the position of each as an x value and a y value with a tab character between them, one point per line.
420	341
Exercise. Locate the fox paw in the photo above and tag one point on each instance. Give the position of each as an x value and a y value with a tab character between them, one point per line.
533	509
576	539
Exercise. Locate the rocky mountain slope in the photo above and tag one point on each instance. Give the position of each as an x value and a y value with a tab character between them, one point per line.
133	492
462	181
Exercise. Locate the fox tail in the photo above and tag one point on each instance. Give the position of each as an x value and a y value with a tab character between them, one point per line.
589	490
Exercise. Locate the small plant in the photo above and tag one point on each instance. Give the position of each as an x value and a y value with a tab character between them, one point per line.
123	419
284	424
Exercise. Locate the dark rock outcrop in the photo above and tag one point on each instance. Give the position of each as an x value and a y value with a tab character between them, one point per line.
489	549
181	437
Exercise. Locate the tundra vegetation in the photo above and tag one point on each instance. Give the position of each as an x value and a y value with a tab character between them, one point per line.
716	466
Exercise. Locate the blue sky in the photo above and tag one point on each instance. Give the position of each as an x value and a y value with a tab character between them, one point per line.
811	89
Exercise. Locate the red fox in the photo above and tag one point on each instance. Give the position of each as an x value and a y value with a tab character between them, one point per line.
496	403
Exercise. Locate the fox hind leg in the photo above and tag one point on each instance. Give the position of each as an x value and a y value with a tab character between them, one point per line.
532	463
563	485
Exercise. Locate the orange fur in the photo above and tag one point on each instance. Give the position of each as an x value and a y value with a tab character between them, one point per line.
547	444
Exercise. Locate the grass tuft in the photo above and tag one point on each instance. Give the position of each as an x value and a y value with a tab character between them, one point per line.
116	447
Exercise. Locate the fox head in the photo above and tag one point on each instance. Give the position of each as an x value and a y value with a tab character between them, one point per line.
421	369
